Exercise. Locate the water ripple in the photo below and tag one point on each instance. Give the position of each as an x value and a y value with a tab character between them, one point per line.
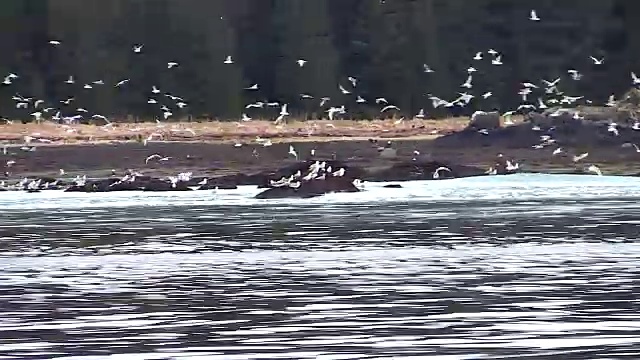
486	278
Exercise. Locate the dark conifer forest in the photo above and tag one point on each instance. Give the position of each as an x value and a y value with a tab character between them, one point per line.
353	52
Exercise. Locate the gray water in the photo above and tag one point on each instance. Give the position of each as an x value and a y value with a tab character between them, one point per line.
518	266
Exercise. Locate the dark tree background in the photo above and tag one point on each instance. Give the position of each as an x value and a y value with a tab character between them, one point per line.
383	44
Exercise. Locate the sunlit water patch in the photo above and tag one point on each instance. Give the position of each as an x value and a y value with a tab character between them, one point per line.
523	266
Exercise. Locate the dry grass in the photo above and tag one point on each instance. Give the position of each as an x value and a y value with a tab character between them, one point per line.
217	131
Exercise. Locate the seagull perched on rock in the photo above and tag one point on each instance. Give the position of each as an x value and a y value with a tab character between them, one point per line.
533	16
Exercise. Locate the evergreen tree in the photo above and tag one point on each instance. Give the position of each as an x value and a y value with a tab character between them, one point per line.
304	33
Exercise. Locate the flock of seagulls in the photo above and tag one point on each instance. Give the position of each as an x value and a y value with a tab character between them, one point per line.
316	171
535	97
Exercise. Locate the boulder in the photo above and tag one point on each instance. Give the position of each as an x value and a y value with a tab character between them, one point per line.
393	186
484	120
309	189
165	185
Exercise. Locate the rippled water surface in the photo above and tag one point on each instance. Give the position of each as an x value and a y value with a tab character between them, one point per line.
519	266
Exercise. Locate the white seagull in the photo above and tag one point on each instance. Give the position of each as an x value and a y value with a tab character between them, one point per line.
533	16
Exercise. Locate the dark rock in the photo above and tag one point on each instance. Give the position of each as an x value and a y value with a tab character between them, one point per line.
165	185
393	186
484	120
309	189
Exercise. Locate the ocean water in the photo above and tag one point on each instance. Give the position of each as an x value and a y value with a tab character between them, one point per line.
522	266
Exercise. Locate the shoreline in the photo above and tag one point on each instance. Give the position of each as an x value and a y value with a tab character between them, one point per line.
214	159
231	149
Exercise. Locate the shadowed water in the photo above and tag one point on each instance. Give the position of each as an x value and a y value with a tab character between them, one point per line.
487	268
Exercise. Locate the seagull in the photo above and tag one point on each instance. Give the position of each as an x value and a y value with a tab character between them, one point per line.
534	16
575	75
467	83
54	42
594	169
121	82
389	107
338	173
154	156
301	62
228	60
284	111
334	110
635	79
596	61
551	84
487	94
420	114
245	117
577	158
70	80
137	48
497	60
478	56
360	100
613	129
427	69
323	101
98	116
252	87
381	100
293	152
352	80
436	174
343	90
171	64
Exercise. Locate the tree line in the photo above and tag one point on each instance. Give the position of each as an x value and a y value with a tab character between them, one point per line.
388	47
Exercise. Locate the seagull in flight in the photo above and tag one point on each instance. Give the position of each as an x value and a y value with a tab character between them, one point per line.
137	48
228	60
597	61
121	82
343	90
301	62
389	107
171	64
293	152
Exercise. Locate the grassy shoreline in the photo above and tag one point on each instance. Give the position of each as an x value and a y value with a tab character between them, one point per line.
218	131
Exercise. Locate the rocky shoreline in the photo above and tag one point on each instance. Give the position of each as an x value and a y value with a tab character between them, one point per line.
559	143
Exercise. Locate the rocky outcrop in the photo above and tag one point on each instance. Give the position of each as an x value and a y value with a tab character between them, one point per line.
484	120
309	189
